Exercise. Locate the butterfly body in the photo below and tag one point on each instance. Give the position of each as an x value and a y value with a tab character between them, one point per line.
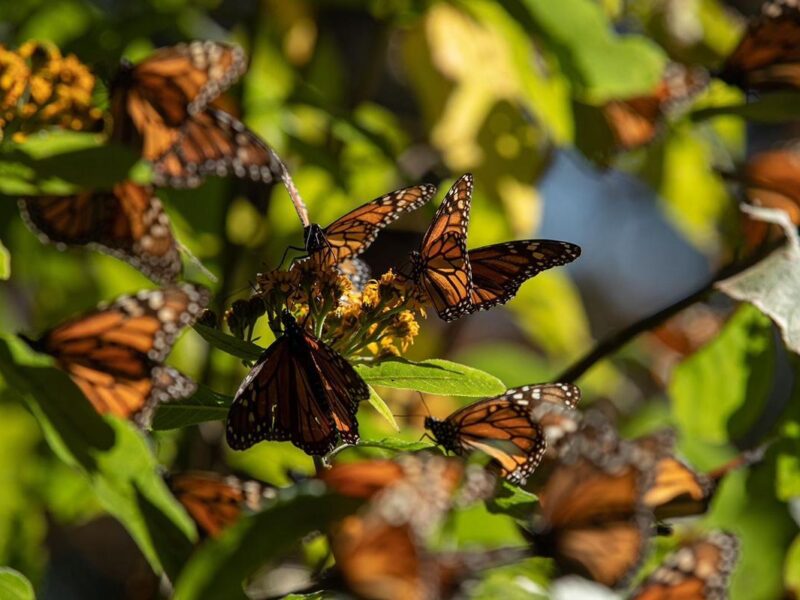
300	390
115	354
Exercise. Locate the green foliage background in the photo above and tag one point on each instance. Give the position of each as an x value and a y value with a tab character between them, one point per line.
362	97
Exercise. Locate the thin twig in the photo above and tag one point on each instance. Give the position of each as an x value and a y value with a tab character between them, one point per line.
612	344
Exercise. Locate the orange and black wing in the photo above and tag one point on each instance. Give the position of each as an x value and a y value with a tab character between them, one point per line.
677	490
300	390
593	522
115	354
635	122
153	99
697	571
213	143
499	270
350	235
441	267
128	223
357	271
215	502
768	55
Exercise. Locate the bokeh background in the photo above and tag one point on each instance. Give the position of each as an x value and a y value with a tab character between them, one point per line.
361	97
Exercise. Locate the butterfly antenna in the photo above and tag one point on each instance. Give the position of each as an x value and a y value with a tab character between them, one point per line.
197	263
294	193
425	404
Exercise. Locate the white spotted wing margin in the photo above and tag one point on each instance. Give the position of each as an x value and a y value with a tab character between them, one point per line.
302	391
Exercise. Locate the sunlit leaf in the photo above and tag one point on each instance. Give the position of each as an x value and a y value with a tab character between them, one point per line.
5	262
376	402
218	569
433	376
792	567
773	285
719	392
396	445
513	501
14	585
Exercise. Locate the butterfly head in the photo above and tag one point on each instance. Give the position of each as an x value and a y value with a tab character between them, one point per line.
288	320
443	431
314	238
37	345
417	264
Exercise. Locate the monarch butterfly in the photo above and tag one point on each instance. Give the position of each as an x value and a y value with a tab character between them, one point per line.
697	571
357	271
115	354
129	222
635	122
767	55
299	390
592	522
769	179
504	428
215	502
499	270
417	489
163	105
350	235
440	268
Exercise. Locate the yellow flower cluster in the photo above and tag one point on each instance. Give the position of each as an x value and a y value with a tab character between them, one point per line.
381	319
40	88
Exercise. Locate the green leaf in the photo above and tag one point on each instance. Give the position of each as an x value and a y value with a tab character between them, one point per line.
601	64
5	263
376	402
229	343
719	392
61	162
792	567
396	445
219	567
512	501
204	405
14	585
434	376
777	107
773	284
115	457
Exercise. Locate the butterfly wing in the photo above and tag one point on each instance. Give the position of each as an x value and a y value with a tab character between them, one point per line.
697	571
214	502
768	55
501	428
442	268
350	235
115	353
499	270
151	100
213	142
593	522
357	271
128	223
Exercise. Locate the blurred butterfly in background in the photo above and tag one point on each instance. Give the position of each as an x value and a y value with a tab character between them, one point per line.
129	223
215	502
163	105
698	570
768	55
300	390
347	237
440	268
592	520
357	271
636	122
770	179
500	269
115	354
504	428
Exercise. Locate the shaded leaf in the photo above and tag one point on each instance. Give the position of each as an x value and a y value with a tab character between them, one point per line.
777	107
719	392
220	566
5	262
204	405
14	585
512	501
434	376
113	454
773	284
229	343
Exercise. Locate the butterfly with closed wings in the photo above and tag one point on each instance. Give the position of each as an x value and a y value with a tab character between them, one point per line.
299	390
115	354
129	223
504	428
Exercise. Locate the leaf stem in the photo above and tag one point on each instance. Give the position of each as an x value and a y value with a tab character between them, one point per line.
615	342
